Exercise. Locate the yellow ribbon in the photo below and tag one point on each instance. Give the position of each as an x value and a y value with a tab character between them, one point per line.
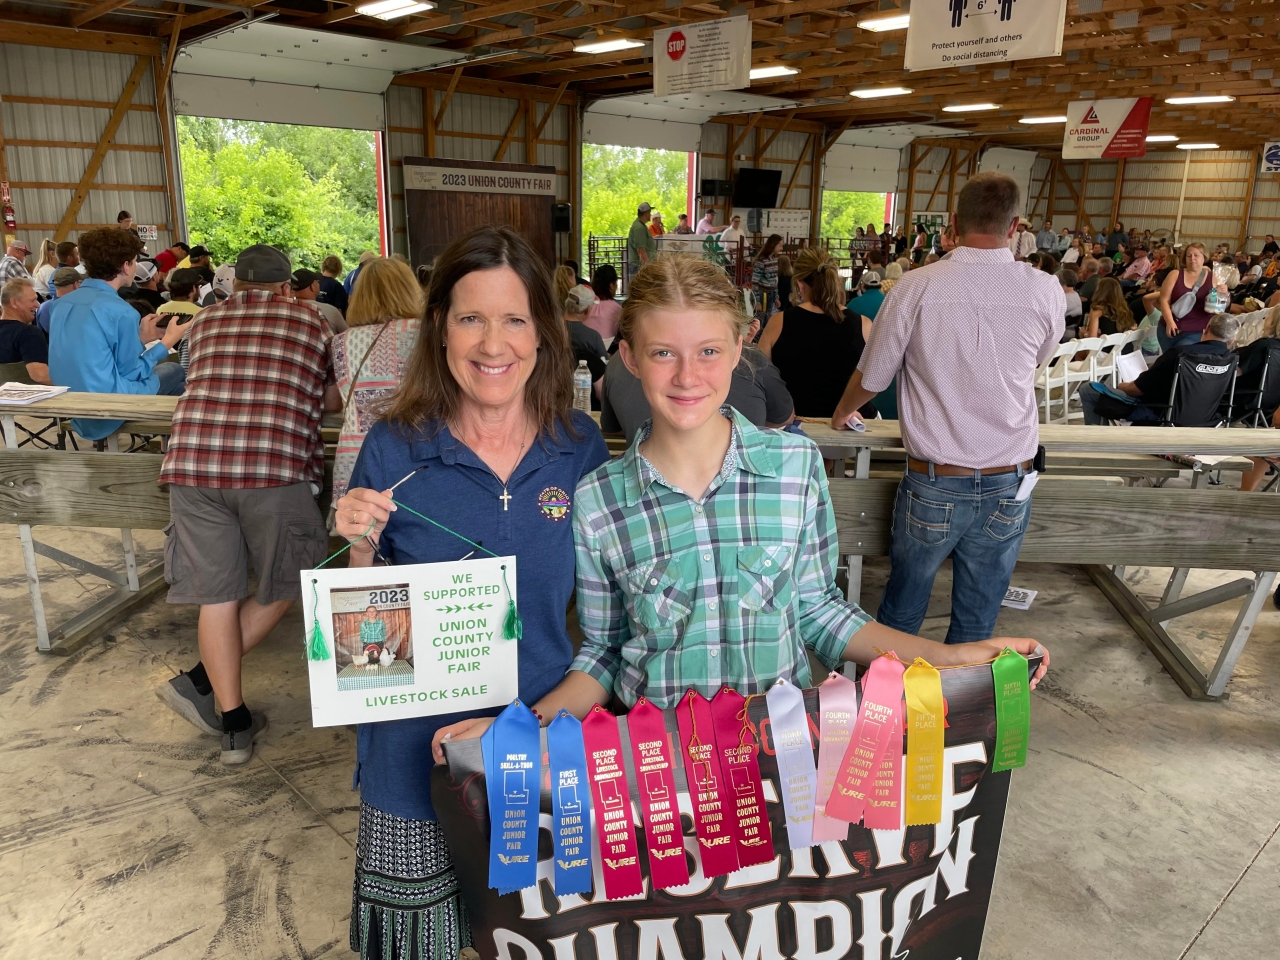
926	733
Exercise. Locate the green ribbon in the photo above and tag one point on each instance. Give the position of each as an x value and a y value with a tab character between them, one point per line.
1009	673
512	626
317	646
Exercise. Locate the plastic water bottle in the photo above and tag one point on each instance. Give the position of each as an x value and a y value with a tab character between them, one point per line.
582	388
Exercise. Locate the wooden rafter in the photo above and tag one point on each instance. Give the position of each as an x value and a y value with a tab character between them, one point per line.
511	131
100	150
786	122
448	95
810	143
96	11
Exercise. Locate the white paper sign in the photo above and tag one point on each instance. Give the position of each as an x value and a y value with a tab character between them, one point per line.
148	231
419	176
410	641
951	33
1271	157
712	55
789	223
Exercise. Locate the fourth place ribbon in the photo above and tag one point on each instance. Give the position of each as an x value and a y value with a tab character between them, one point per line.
797	775
926	733
570	805
741	769
512	769
611	800
654	762
712	810
838	704
881	699
1013	710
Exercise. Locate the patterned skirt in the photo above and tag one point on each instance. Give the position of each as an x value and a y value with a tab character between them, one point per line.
407	904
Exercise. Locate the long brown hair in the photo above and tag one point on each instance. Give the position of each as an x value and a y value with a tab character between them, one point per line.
429	391
815	269
770	245
1109	295
384	290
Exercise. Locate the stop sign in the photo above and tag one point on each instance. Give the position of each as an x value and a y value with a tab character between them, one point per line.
675	45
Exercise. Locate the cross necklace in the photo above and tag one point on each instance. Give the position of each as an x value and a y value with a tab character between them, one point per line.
506	497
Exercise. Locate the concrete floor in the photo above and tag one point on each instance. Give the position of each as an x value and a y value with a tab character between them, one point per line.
1141	829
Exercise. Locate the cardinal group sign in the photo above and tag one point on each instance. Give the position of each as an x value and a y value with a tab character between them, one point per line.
711	55
1106	129
949	33
921	891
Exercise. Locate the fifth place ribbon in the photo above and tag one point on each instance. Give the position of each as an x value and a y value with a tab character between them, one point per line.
654	763
1013	710
838	704
712	811
881	697
797	775
570	805
513	772
611	800
741	768
926	735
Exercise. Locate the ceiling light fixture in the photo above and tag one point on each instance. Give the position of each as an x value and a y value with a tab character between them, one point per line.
392	9
884	24
608	46
875	93
970	107
1162	138
1207	98
1043	120
1197	146
765	73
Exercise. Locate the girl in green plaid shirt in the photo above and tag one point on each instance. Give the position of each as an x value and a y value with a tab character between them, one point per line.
706	555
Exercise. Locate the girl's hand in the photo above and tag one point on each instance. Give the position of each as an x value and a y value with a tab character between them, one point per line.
1171	327
983	650
462	730
359	507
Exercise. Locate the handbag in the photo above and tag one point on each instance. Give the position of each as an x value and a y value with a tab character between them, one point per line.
1184	304
355	378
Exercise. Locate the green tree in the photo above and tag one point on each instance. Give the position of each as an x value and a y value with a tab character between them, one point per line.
307	190
616	180
843	211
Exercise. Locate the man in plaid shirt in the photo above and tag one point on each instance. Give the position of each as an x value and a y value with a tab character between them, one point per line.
13	263
244	466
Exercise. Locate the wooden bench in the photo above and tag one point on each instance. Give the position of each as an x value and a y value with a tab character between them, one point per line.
1124	526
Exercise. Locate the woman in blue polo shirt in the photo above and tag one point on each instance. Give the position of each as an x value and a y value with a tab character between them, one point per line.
483	416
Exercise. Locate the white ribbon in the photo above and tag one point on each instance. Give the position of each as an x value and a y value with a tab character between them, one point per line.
794	754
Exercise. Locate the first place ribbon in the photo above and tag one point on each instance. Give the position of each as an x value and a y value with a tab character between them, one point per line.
794	753
926	736
619	853
1013	710
741	770
711	804
838	704
513	771
872	734
570	805
654	763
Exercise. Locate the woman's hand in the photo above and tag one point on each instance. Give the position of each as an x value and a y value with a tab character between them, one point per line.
462	730
984	650
1170	326
356	510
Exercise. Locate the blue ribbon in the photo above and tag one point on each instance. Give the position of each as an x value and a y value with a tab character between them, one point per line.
513	777
570	804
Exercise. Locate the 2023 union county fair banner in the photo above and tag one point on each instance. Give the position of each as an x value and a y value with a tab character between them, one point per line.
951	33
921	891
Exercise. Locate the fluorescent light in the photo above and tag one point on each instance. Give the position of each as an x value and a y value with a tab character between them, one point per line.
608	46
1197	146
882	24
970	107
764	73
1216	98
874	93
1043	120
1162	138
392	9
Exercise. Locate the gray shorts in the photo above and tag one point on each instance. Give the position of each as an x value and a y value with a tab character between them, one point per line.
215	533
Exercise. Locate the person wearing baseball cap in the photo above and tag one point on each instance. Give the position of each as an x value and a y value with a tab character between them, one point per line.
656	226
63	281
306	289
14	262
586	342
146	285
244	465
641	245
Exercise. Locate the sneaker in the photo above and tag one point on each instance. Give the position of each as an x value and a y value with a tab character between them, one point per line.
238	747
180	694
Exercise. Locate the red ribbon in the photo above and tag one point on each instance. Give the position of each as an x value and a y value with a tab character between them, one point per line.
654	762
741	769
881	703
884	802
619	854
712	812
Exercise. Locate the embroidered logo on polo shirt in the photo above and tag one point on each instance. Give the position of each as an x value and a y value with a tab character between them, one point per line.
554	503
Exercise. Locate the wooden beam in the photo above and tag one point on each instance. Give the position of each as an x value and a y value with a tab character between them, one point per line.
511	132
951	182
530	137
448	95
166	137
1054	163
86	145
162	76
40	35
751	125
547	116
96	11
57	185
1078	197
913	163
4	162
100	151
810	141
1082	203
65	102
1248	199
829	142
428	121
774	136
1115	199
951	157
473	15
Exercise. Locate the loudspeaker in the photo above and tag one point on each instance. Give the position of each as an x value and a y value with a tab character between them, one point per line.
562	218
755	220
717	188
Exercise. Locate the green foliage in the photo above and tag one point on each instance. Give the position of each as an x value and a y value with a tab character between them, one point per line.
843	211
616	180
309	191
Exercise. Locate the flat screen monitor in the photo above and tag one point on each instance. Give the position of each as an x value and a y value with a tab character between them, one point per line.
756	188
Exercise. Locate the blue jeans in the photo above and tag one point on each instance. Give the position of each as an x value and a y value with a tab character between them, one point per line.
974	520
1167	342
173	379
1089	393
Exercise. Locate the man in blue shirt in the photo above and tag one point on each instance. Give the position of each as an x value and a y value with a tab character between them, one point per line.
349	284
1046	241
65	279
96	340
867	302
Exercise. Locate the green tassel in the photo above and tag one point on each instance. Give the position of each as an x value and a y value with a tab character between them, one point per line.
513	626
317	646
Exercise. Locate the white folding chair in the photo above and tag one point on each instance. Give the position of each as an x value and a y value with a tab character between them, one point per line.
1078	372
1104	361
1051	380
